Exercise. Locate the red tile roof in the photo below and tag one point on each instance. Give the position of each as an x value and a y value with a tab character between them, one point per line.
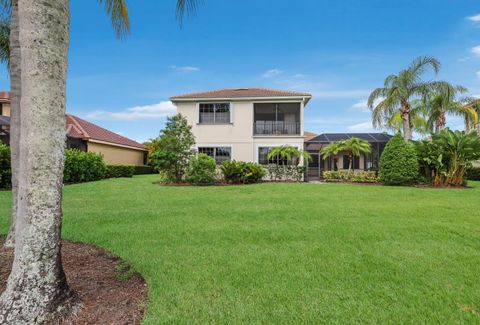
78	128
309	135
4	96
241	93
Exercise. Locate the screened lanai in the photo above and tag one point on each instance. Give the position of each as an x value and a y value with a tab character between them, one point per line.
339	162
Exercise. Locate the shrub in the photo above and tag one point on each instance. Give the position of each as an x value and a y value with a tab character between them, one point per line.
202	170
5	171
350	176
83	166
143	170
117	171
238	172
286	172
473	173
398	163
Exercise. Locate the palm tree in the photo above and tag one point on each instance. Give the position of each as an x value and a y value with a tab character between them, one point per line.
354	147
399	90
289	153
442	102
37	288
472	115
418	120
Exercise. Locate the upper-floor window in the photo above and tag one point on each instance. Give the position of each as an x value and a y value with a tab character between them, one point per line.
218	113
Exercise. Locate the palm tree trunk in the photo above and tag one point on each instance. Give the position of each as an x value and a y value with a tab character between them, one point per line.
407	131
440	122
37	289
15	81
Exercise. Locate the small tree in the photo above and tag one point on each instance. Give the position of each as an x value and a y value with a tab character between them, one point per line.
354	147
290	154
175	149
398	163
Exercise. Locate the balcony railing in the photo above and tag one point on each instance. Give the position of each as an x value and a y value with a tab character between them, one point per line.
276	128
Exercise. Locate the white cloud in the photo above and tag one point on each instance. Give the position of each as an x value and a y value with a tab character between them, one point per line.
475	18
340	93
361	127
476	50
299	75
155	111
362	105
185	68
272	73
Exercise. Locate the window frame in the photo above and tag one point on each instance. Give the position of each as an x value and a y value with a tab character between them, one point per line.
214	104
215	148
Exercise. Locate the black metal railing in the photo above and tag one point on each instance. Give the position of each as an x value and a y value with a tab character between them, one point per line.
276	128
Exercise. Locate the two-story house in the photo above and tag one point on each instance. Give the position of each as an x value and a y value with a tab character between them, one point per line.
244	123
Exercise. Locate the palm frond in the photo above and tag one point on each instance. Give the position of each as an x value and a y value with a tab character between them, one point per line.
117	10
420	64
186	7
5	41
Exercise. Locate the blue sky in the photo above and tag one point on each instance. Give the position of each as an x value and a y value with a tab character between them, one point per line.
337	50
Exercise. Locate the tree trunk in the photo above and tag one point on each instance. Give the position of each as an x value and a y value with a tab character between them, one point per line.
37	289
478	128
440	122
15	116
407	131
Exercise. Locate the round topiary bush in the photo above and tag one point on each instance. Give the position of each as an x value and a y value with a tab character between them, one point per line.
398	163
202	170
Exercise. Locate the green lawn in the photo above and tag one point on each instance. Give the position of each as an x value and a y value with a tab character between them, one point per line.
288	253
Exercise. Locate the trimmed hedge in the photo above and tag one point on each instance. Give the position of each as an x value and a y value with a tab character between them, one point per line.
81	166
473	174
240	172
117	171
143	170
350	176
399	162
5	171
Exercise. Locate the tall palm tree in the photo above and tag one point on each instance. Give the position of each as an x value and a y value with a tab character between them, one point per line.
418	119
354	147
442	102
37	288
398	91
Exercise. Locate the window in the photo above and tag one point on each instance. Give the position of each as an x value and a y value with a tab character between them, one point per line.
346	162
264	160
220	154
215	113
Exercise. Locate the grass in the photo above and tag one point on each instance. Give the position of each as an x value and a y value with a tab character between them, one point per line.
287	253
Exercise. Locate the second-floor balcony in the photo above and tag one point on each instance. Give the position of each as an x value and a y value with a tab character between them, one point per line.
276	128
277	119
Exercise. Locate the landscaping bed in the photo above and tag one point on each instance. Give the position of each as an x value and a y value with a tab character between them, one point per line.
110	292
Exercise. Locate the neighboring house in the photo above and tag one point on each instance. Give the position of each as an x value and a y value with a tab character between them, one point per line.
244	123
86	136
116	149
364	162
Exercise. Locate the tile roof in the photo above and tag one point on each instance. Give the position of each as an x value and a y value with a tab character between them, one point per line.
241	93
4	96
309	135
333	137
79	128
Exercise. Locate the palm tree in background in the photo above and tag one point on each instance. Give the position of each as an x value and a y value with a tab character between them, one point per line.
354	147
399	90
444	102
472	117
37	288
418	119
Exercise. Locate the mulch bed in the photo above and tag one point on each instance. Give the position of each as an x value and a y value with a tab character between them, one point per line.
93	274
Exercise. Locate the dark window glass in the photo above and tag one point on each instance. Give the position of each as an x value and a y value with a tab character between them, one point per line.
220	154
264	160
215	113
346	162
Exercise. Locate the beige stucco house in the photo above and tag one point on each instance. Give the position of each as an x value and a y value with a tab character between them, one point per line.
86	136
244	123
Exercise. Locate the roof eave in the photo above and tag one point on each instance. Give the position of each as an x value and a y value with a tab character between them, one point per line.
305	98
